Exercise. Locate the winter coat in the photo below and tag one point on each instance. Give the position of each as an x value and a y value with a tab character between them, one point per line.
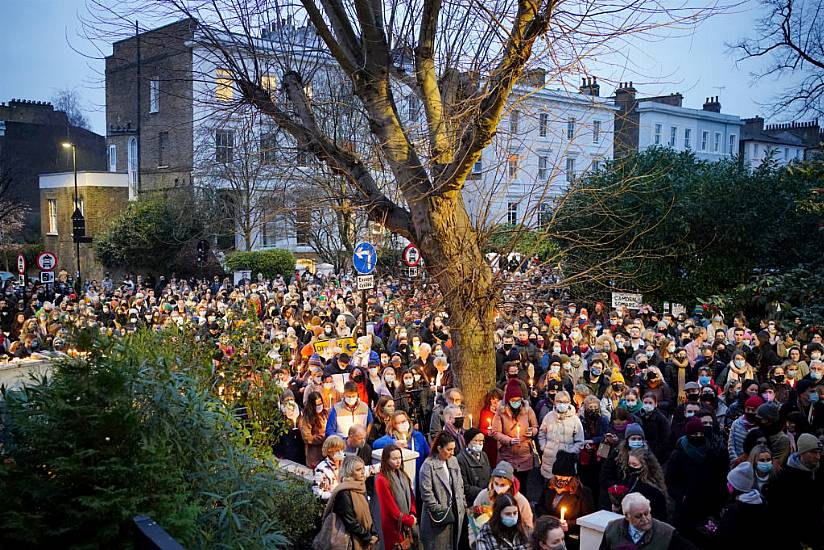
418	444
504	431
438	491
575	505
696	481
326	479
656	433
796	499
344	508
313	438
482	501
476	472
487	541
747	525
662	536
391	518
557	432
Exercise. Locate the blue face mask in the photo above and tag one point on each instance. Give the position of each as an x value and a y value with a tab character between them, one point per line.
595	372
704	380
815	375
515	404
636	444
814	397
509	521
764	467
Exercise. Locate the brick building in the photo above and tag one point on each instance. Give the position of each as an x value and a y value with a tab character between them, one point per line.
31	134
101	196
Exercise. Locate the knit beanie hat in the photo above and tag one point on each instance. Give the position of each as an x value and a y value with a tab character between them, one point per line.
768	412
807	442
504	469
470	434
694	426
513	390
741	477
315	361
566	464
616	377
634	429
753	402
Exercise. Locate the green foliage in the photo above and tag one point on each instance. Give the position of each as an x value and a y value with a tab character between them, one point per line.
150	234
9	252
136	427
504	239
695	228
269	262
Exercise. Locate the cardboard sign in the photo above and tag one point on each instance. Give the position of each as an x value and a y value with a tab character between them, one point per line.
345	344
627	300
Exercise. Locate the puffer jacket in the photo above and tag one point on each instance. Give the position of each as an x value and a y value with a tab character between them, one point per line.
559	431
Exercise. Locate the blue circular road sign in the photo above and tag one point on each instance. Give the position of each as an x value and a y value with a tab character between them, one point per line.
364	258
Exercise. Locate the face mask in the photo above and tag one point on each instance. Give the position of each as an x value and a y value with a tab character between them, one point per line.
595	372
617	387
815	355
339	455
693	397
632	403
751	417
373	371
507	347
648	407
403	427
458	422
814	397
556	350
764	467
740	363
704	380
408	382
476	447
792	374
671	349
634	444
389	378
689	414
561	546
634	471
562	407
554	369
649	354
815	375
357	378
327	386
510	521
319	408
697	440
500	488
594	413
351	401
515	404
779	379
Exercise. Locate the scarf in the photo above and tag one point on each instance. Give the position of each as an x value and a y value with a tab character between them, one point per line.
357	490
682	378
698	454
401	488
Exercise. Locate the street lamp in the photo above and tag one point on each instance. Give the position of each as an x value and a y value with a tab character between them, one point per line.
78	222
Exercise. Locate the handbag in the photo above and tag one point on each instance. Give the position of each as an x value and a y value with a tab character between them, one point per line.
406	541
332	534
448	516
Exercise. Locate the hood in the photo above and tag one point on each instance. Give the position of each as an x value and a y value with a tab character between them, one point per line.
750	497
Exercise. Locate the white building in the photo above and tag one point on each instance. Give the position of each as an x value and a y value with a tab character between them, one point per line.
663	122
546	138
775	143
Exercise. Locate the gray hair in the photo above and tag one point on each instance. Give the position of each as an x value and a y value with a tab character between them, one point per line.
451	411
631	500
425	346
349	465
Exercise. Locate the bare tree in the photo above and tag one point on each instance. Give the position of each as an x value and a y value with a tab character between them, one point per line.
458	61
68	101
791	37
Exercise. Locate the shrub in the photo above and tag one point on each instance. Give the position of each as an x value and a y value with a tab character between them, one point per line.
269	262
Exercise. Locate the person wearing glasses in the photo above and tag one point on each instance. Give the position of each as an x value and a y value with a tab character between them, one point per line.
638	529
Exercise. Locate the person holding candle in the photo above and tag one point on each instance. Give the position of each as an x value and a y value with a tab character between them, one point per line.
399	432
491	402
475	468
312	428
565	497
502	482
505	529
513	427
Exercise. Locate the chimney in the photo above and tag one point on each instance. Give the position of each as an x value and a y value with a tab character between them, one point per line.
712	104
533	78
590	86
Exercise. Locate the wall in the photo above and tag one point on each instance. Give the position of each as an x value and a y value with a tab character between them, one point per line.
697	122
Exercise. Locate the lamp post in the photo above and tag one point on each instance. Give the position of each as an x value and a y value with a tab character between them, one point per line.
78	222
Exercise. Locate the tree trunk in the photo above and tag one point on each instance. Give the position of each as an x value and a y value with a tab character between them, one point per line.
454	259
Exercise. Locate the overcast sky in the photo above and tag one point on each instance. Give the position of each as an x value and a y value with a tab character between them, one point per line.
37	60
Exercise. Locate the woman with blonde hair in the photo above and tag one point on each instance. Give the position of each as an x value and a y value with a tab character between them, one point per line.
327	472
399	432
348	501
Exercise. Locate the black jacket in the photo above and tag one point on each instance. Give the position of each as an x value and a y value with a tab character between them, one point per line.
656	433
345	510
797	499
475	472
747	526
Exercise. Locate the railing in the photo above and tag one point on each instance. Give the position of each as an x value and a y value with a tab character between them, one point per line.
151	536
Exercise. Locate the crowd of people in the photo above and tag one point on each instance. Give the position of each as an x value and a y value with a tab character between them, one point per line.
700	430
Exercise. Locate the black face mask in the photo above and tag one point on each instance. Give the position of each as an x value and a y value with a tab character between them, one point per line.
617	387
693	397
507	347
779	379
458	422
697	440
751	418
633	471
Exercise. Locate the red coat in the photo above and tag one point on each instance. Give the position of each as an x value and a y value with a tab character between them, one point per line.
390	512
490	445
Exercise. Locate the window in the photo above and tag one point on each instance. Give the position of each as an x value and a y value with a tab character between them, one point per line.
512	213
754	150
571	128
132	161
268	146
223	88
543	122
716	144
268	232
596	131
673	136
162	146
570	169
112	158
705	138
732	150
52	216
687	138
154	96
657	138
514	120
543	173
224	145
269	83
413	107
513	164
478	167
303	221
544	214
596	164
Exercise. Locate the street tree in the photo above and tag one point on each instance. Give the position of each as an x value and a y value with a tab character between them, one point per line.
458	61
68	101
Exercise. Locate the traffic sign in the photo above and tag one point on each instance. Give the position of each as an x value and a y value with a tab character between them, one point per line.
47	277
412	272
411	255
47	261
21	264
364	258
366	282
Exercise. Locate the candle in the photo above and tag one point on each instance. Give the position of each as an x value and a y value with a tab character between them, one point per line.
563	511
470	420
518	431
530	384
489	427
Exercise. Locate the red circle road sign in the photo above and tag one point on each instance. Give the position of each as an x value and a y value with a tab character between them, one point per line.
47	261
411	255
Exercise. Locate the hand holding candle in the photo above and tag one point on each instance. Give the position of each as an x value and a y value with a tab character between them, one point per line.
470	420
563	512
